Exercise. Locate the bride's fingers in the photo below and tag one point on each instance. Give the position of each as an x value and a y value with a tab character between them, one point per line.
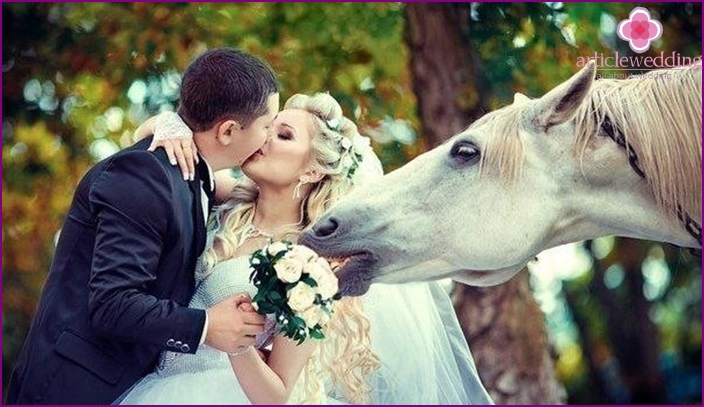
247	307
189	156
195	151
181	159
169	151
153	145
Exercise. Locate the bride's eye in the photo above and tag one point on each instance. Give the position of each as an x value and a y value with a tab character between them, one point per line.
285	136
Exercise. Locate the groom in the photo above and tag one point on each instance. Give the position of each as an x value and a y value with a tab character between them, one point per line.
122	273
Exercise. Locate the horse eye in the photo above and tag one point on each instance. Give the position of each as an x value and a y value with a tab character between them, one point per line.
465	152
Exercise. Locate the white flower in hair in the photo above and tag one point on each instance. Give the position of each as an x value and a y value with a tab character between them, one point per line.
360	143
346	143
347	161
333	123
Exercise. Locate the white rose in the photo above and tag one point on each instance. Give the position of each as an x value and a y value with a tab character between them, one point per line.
276	248
347	161
360	144
322	273
334	124
313	315
300	297
288	269
303	253
346	143
318	269
327	286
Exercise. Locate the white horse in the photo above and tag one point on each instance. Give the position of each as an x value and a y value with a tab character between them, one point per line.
588	159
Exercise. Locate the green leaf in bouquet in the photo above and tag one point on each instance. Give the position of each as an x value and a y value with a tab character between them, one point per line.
297	323
285	307
259	296
275	298
289	330
278	257
309	281
316	334
270	284
300	336
266	308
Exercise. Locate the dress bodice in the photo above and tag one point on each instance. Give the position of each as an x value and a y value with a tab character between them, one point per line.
225	279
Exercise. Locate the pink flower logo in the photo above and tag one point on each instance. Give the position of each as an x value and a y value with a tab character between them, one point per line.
639	30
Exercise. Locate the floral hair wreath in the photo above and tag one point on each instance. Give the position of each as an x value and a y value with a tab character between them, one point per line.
354	150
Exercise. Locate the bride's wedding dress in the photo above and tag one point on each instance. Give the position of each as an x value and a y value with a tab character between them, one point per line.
414	332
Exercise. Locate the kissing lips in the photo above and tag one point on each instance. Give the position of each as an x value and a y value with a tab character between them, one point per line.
254	157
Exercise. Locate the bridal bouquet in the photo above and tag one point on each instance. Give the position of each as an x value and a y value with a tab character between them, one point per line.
297	286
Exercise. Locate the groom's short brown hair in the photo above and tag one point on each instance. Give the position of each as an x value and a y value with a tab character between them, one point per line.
225	83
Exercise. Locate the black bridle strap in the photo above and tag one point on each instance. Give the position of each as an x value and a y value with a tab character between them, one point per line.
614	133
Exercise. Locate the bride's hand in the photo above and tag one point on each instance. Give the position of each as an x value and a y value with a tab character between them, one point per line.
175	137
246	307
180	151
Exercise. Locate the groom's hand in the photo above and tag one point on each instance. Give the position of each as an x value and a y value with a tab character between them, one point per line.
233	326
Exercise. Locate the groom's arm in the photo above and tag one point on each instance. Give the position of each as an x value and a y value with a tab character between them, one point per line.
132	200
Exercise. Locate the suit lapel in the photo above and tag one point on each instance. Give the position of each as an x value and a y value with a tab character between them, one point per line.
199	185
199	224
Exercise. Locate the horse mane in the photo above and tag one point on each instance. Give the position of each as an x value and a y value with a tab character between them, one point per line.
660	117
504	151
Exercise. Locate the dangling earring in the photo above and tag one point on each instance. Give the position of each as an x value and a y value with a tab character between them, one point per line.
297	189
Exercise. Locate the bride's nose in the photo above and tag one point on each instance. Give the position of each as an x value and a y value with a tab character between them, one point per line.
267	143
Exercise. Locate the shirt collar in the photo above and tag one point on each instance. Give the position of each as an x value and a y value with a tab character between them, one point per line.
210	173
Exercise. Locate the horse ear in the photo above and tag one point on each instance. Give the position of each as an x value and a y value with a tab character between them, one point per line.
562	102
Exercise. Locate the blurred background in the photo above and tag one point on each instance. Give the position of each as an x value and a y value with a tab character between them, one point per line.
606	321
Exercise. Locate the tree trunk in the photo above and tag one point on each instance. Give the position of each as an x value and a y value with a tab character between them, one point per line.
633	335
447	79
504	326
506	332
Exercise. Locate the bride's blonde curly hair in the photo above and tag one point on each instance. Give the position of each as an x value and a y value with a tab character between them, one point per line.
344	356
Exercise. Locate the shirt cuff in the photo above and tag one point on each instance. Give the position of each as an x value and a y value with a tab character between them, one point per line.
205	330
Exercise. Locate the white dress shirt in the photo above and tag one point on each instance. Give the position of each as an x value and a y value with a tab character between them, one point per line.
205	202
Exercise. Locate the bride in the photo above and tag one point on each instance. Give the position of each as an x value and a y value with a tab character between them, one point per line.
398	344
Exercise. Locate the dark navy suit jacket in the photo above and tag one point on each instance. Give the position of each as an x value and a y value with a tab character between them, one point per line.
119	283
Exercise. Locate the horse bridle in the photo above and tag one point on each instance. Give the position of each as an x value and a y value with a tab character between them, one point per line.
690	225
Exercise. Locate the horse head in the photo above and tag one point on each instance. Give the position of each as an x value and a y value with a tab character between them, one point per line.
516	182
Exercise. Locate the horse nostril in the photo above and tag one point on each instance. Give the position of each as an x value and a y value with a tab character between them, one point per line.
325	227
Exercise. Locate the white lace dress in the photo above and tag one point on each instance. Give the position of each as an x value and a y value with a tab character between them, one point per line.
414	332
205	377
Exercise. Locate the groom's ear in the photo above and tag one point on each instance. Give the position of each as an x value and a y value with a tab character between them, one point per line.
226	131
